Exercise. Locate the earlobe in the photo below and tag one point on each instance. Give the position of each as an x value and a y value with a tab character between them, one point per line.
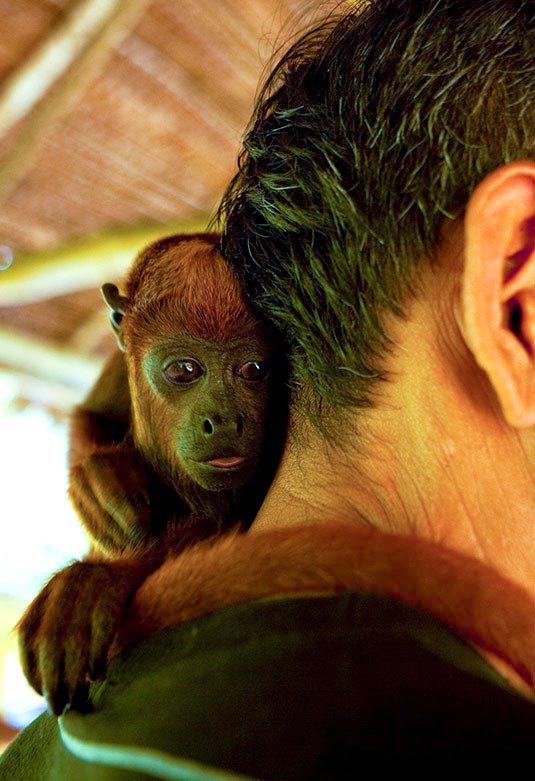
499	286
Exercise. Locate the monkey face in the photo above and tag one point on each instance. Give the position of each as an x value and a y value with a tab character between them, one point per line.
212	403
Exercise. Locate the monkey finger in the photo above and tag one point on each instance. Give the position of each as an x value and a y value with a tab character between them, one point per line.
119	537
76	669
110	543
128	505
29	663
51	666
28	630
117	472
112	602
55	626
134	516
65	633
113	504
89	509
101	640
67	663
105	531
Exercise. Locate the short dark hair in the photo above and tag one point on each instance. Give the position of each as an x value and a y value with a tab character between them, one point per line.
371	130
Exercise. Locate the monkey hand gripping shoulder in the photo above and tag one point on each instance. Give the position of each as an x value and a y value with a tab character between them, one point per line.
66	632
186	420
176	442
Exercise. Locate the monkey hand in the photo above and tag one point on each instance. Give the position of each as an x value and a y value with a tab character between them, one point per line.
109	491
66	632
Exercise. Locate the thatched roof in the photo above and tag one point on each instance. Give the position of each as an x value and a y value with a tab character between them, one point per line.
120	120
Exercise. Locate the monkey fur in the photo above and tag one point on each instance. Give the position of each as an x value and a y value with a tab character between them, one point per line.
175	444
179	428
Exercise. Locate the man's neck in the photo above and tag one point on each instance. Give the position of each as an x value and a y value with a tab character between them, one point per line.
433	461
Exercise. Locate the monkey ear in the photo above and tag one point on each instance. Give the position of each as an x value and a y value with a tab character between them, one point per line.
499	286
118	305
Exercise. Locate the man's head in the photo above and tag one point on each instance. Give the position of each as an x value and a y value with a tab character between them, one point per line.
372	132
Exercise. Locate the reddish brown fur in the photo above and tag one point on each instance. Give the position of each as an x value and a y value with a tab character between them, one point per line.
470	597
185	285
179	285
139	452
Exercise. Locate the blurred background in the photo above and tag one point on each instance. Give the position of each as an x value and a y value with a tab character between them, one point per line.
120	121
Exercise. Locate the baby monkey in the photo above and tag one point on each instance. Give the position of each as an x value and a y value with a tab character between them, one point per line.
176	442
183	427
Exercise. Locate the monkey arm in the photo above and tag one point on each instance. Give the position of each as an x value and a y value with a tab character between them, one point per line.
104	416
109	490
65	633
108	479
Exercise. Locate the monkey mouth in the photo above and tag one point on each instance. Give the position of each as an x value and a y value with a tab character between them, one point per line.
229	462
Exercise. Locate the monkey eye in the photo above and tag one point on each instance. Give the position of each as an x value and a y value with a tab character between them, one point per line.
254	371
183	372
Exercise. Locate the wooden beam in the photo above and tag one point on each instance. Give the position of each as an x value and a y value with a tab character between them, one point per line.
47	362
81	265
70	59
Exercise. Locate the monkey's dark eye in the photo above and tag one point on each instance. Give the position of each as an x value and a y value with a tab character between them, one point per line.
183	372
254	371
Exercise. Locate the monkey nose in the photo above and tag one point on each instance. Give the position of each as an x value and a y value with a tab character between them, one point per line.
221	425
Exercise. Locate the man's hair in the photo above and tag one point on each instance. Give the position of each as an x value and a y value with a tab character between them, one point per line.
370	131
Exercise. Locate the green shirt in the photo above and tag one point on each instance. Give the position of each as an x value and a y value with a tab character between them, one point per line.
308	689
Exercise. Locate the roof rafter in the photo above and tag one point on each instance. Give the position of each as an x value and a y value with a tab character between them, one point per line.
80	265
70	58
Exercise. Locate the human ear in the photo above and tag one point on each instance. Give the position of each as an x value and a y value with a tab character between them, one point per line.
498	298
117	305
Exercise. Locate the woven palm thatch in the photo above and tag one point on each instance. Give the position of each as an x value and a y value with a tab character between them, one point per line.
120	120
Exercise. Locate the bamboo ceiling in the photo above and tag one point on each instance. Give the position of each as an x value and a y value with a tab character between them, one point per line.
119	120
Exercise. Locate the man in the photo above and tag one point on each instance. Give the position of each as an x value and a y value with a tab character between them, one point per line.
384	218
380	611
